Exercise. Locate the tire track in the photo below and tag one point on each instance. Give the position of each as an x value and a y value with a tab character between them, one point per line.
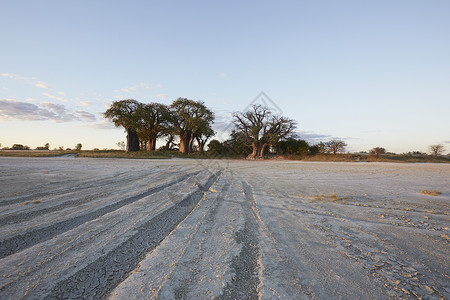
100	277
31	238
85	185
28	215
199	239
244	284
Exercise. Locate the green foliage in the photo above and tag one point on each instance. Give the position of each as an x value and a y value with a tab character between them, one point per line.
314	150
292	146
235	145
20	147
123	113
191	119
215	147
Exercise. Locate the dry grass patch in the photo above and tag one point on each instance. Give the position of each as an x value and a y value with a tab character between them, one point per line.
431	192
331	197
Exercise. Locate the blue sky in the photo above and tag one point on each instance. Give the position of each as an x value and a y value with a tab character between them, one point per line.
374	73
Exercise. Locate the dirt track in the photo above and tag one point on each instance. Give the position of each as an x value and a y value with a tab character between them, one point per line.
186	229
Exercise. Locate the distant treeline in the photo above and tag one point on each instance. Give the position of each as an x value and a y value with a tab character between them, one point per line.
186	126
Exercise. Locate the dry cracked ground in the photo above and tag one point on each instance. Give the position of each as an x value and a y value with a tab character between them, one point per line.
185	229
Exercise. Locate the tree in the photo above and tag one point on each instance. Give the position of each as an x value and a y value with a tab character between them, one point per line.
377	151
314	149
292	146
47	146
235	145
215	147
78	147
121	145
124	113
202	134
259	128
335	146
20	147
188	117
153	121
437	149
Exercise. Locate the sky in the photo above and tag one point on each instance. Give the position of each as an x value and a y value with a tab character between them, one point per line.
372	73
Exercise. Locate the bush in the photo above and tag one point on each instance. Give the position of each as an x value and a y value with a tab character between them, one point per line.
20	147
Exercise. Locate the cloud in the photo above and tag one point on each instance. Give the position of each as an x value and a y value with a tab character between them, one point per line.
11	109
55	97
85	103
42	85
446	142
85	116
162	96
312	136
103	124
14	76
221	74
141	86
36	82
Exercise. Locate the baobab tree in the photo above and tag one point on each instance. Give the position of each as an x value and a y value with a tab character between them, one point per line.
202	133
259	128
437	149
124	113
154	118
189	116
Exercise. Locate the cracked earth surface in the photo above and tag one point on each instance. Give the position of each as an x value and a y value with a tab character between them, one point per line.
73	228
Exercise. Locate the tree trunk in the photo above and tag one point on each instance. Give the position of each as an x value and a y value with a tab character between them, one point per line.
201	145
169	141
191	143
261	150
254	151
151	144
132	140
185	142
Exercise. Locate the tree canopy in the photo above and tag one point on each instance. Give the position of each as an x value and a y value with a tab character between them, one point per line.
125	113
259	128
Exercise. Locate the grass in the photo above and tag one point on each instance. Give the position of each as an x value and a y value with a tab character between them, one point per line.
206	155
34	202
34	153
367	158
431	192
331	197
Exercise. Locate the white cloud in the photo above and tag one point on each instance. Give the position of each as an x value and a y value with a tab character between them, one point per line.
14	76
141	86
221	74
42	85
11	109
103	124
31	99
162	96
85	103
54	97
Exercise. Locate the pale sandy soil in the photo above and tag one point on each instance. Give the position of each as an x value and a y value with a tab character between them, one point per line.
186	229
